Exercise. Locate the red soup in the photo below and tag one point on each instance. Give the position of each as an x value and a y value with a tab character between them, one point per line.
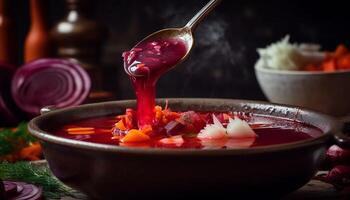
181	134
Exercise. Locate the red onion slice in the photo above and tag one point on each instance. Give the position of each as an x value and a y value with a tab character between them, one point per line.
44	82
10	189
29	192
338	156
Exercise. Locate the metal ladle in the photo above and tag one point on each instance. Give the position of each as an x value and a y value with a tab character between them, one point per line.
185	33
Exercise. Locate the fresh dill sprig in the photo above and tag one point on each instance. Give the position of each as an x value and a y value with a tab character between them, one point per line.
36	175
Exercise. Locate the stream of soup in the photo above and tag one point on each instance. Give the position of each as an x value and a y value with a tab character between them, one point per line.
269	130
145	64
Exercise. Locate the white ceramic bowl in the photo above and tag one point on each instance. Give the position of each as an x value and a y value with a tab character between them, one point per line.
327	92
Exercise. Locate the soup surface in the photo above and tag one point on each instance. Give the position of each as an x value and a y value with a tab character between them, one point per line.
268	130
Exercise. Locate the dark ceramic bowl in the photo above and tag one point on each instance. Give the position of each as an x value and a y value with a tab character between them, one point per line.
112	172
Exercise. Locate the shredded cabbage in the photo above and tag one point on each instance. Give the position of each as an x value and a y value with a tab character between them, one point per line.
282	55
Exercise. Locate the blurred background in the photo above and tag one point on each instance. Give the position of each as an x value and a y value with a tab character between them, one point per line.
221	64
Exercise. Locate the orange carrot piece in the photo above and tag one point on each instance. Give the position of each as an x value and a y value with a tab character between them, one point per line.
140	65
31	152
135	135
81	132
344	62
340	51
147	129
80	129
120	125
104	130
329	66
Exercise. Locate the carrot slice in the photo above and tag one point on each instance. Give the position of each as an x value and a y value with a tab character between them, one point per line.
80	129
135	136
344	62
329	66
147	129
340	51
31	152
120	125
82	132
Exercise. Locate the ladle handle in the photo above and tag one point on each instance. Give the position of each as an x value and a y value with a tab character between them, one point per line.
193	23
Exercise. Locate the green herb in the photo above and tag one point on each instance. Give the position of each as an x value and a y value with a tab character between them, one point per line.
37	175
12	141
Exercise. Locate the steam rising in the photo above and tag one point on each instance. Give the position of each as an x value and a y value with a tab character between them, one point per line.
217	53
211	39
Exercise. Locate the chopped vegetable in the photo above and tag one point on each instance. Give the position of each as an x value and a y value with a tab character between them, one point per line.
26	191
120	125
81	131
192	121
18	144
44	82
174	128
175	125
135	135
339	176
37	175
281	55
31	152
213	131
238	128
10	189
147	129
338	156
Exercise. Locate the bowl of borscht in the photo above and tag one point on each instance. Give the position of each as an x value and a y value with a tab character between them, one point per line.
197	148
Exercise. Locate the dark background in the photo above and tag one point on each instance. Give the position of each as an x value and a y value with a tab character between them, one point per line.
221	64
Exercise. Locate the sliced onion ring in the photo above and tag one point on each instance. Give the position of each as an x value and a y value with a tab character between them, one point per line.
29	192
10	189
43	82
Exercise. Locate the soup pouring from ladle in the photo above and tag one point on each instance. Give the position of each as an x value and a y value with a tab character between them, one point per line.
184	34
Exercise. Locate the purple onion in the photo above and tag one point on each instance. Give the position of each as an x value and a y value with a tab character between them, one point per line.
338	156
28	192
43	82
339	176
173	128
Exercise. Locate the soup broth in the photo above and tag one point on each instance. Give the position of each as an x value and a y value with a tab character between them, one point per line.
269	131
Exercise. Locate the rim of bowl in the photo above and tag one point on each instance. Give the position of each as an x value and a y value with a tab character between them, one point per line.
47	137
294	72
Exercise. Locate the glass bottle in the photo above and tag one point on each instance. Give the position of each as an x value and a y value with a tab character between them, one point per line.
78	35
38	43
